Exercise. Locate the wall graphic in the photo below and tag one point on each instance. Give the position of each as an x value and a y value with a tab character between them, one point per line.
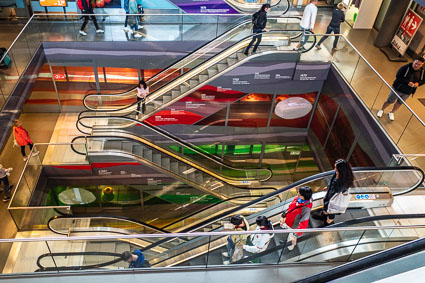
205	6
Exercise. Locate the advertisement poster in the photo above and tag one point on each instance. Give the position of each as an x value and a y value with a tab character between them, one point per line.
406	31
204	6
53	3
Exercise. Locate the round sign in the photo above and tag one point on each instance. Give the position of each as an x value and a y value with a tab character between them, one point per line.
293	108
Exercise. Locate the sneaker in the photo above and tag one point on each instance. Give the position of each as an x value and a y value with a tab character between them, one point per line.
379	114
137	35
335	49
83	32
291	247
246	53
226	262
100	31
25	158
127	29
225	254
35	153
6	199
295	49
391	116
318	47
139	27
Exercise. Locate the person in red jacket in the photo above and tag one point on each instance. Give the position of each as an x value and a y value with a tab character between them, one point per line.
22	139
298	214
86	8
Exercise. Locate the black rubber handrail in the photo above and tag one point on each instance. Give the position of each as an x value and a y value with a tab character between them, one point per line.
289	187
367	262
68	254
226	179
218	54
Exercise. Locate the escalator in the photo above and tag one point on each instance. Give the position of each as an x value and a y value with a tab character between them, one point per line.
374	187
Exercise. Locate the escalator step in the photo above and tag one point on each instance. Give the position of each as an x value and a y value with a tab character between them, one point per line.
191	176
241	56
149	108
165	163
221	67
175	93
138	150
183	88
147	154
127	147
203	78
156	158
199	178
174	166
231	61
166	98
212	72
233	56
112	145
193	83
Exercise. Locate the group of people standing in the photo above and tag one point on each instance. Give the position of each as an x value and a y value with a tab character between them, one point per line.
297	216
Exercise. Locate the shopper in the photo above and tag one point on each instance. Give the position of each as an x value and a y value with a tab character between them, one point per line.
22	139
136	259
87	9
298	214
3	179
133	21
235	242
338	17
408	78
307	23
142	93
340	182
259	20
260	242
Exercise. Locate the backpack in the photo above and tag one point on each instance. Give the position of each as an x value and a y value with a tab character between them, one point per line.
255	19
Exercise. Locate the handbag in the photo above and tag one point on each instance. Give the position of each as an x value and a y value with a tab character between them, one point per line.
339	203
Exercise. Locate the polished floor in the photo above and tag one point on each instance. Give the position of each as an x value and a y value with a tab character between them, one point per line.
41	126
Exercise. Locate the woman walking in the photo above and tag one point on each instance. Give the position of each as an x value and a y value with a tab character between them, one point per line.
259	20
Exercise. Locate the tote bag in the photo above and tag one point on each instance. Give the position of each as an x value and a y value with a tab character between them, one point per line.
339	203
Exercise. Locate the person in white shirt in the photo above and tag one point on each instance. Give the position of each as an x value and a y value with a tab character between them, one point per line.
307	22
142	92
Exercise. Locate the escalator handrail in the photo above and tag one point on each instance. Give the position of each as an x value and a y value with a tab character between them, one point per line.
341	224
134	138
289	187
155	93
121	218
367	262
67	254
236	26
183	143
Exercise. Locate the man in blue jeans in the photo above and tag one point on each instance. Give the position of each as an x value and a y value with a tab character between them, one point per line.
338	17
307	23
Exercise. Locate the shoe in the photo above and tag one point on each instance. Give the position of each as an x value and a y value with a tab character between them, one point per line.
35	153
6	199
225	254
127	29
379	114
296	49
318	47
25	158
335	49
139	27
83	32
291	247
137	35
391	116
100	31
226	262
325	224
246	53
319	216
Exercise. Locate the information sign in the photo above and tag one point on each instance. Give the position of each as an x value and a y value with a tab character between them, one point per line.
53	3
406	31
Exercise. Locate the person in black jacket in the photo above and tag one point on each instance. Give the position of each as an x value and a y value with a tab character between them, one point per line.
338	17
408	78
259	19
87	9
340	182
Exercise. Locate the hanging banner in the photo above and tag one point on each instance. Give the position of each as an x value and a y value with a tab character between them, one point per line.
406	31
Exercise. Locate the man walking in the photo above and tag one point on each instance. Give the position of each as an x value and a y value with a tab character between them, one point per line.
408	78
259	21
338	17
307	22
87	9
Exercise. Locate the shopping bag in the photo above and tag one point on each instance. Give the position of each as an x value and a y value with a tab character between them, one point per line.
339	203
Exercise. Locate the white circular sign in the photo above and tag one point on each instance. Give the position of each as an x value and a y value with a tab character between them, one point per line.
293	108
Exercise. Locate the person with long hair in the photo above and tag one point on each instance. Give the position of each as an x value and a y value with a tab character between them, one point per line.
259	20
142	92
340	182
260	242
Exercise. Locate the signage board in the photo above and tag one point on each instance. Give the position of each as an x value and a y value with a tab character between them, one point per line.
406	31
53	3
